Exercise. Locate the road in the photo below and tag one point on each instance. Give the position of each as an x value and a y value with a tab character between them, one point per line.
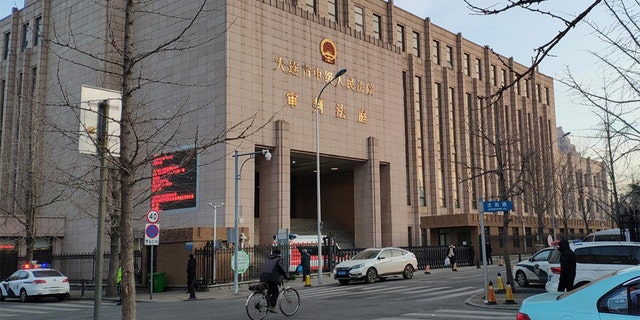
439	295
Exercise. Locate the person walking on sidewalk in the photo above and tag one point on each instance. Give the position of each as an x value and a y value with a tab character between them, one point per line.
452	257
272	273
191	276
305	261
118	281
489	250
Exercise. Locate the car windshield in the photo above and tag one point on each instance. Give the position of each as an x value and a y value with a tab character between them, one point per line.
46	273
365	255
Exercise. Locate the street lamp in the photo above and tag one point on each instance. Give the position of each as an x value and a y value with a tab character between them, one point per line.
215	235
553	213
236	155
320	259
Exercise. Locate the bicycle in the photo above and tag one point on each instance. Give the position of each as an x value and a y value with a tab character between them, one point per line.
257	304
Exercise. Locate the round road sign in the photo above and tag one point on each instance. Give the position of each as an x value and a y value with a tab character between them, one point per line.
152	231
243	262
153	216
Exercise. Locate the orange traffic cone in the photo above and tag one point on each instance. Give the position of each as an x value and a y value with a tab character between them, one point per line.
427	269
307	281
509	297
499	284
491	296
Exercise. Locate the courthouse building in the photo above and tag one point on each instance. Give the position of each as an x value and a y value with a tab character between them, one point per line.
402	134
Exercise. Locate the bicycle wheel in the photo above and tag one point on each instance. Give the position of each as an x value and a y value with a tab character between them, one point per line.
257	306
289	301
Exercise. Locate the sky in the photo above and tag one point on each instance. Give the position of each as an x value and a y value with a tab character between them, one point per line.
516	34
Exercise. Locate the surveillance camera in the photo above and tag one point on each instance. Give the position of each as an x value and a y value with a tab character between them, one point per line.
267	155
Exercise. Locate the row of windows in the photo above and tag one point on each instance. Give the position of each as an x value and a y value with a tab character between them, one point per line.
29	33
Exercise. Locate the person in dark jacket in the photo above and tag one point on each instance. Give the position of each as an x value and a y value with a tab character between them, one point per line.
272	273
305	260
567	266
191	276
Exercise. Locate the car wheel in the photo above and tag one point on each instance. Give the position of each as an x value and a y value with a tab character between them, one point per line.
23	296
408	272
521	279
371	276
343	281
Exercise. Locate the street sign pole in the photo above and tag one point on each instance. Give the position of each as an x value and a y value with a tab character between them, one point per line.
483	246
151	275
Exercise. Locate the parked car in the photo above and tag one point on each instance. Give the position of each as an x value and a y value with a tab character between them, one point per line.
35	281
594	260
614	296
534	269
376	263
608	235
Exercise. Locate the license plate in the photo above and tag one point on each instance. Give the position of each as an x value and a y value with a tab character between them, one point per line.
342	273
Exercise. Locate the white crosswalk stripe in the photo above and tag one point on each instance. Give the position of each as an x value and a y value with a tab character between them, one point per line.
456	314
396	292
19	309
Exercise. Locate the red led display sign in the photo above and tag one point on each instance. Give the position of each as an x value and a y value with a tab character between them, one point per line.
173	183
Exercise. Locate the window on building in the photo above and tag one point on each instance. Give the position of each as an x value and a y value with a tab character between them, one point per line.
466	61
528	238
493	75
478	66
37	25
332	11
500	237
516	237
400	37
526	88
517	87
311	6
359	19
377	26
416	43
503	77
34	77
538	92
26	34
449	56
546	95
5	46
2	87
417	106
435	51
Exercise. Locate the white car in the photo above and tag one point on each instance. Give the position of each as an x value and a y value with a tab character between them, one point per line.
612	297
34	282
594	260
376	263
534	269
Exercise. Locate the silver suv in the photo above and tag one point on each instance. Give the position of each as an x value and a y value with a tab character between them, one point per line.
594	260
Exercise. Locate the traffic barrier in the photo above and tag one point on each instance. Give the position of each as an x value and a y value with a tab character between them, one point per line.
509	296
491	296
307	281
499	284
427	269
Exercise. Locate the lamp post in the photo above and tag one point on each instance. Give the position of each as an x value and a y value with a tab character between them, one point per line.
319	222
215	235
553	213
236	155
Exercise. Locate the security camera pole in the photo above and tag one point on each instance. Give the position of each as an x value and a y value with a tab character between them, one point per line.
236	243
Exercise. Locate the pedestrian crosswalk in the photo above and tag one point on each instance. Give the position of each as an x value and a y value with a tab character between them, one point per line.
10	310
373	292
449	314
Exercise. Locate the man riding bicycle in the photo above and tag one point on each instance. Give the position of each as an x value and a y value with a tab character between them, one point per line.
272	273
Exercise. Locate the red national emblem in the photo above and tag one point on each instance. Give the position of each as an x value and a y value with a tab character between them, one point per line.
328	51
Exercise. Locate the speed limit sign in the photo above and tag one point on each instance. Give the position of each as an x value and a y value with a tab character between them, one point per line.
153	216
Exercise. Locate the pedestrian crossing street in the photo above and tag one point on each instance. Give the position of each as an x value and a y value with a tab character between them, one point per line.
372	292
10	310
446	314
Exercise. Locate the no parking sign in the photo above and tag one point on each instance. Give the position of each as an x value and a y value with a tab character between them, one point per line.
152	234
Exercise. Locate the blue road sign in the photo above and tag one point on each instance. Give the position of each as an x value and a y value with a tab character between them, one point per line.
496	206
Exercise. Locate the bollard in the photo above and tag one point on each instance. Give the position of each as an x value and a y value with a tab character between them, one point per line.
499	284
307	281
82	288
509	296
491	297
427	269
